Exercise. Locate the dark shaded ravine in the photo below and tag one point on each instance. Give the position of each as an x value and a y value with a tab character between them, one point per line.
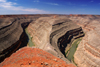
67	45
67	39
62	35
22	42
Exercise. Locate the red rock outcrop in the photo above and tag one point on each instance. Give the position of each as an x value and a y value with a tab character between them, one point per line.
33	57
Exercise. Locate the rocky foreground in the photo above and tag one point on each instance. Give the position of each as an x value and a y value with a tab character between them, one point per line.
33	57
53	35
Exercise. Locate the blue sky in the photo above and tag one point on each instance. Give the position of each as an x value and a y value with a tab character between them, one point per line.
49	7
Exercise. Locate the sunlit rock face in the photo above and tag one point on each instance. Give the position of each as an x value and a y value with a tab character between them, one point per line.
88	51
46	31
40	31
50	34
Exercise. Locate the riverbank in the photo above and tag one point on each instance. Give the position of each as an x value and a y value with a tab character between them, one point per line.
71	51
30	43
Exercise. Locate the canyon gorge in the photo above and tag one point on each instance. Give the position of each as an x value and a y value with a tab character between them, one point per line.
46	36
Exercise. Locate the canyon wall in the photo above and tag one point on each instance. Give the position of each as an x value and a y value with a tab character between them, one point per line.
88	51
64	28
65	41
53	34
12	34
9	36
46	31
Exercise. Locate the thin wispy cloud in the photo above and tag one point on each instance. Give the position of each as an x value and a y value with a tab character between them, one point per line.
2	0
36	1
13	6
53	4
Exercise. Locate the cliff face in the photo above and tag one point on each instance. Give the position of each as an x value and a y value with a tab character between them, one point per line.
52	34
65	41
12	35
46	31
40	31
62	34
88	51
9	36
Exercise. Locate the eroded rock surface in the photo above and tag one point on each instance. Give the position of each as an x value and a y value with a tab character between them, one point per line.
52	34
33	57
9	36
88	51
12	35
46	31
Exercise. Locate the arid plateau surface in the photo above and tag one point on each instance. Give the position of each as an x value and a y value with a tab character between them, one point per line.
46	40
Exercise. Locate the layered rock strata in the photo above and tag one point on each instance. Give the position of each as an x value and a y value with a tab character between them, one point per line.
65	42
62	34
9	36
88	51
12	34
52	34
45	33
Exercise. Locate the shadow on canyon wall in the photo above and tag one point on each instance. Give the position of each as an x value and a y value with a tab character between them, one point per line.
68	38
24	38
22	42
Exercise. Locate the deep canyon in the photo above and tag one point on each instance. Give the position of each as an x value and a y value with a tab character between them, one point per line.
63	36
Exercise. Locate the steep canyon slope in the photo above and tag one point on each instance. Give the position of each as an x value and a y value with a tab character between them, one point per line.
12	35
46	31
88	51
53	34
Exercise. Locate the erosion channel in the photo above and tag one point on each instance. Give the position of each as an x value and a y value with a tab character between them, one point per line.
69	42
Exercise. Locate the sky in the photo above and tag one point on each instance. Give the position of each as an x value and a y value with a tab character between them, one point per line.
49	7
